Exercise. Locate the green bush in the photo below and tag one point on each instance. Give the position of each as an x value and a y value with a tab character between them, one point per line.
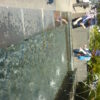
93	83
94	42
98	15
94	63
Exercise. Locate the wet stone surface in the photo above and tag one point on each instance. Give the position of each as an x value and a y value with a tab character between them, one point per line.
35	68
17	24
10	26
32	21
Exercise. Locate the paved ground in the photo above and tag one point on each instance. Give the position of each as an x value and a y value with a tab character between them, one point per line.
32	4
67	5
61	5
80	37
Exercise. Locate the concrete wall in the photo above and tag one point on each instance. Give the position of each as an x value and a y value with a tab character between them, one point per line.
17	24
35	68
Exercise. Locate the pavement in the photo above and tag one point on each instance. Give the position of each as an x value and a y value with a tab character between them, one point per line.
59	5
80	37
67	5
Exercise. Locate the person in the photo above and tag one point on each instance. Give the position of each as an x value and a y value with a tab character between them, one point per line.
60	20
84	21
83	53
50	2
92	13
85	57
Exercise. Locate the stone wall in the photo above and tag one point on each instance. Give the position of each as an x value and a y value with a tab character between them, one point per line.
17	24
35	68
34	62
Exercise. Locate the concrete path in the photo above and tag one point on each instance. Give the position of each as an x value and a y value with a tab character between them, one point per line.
32	4
80	37
67	5
59	5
